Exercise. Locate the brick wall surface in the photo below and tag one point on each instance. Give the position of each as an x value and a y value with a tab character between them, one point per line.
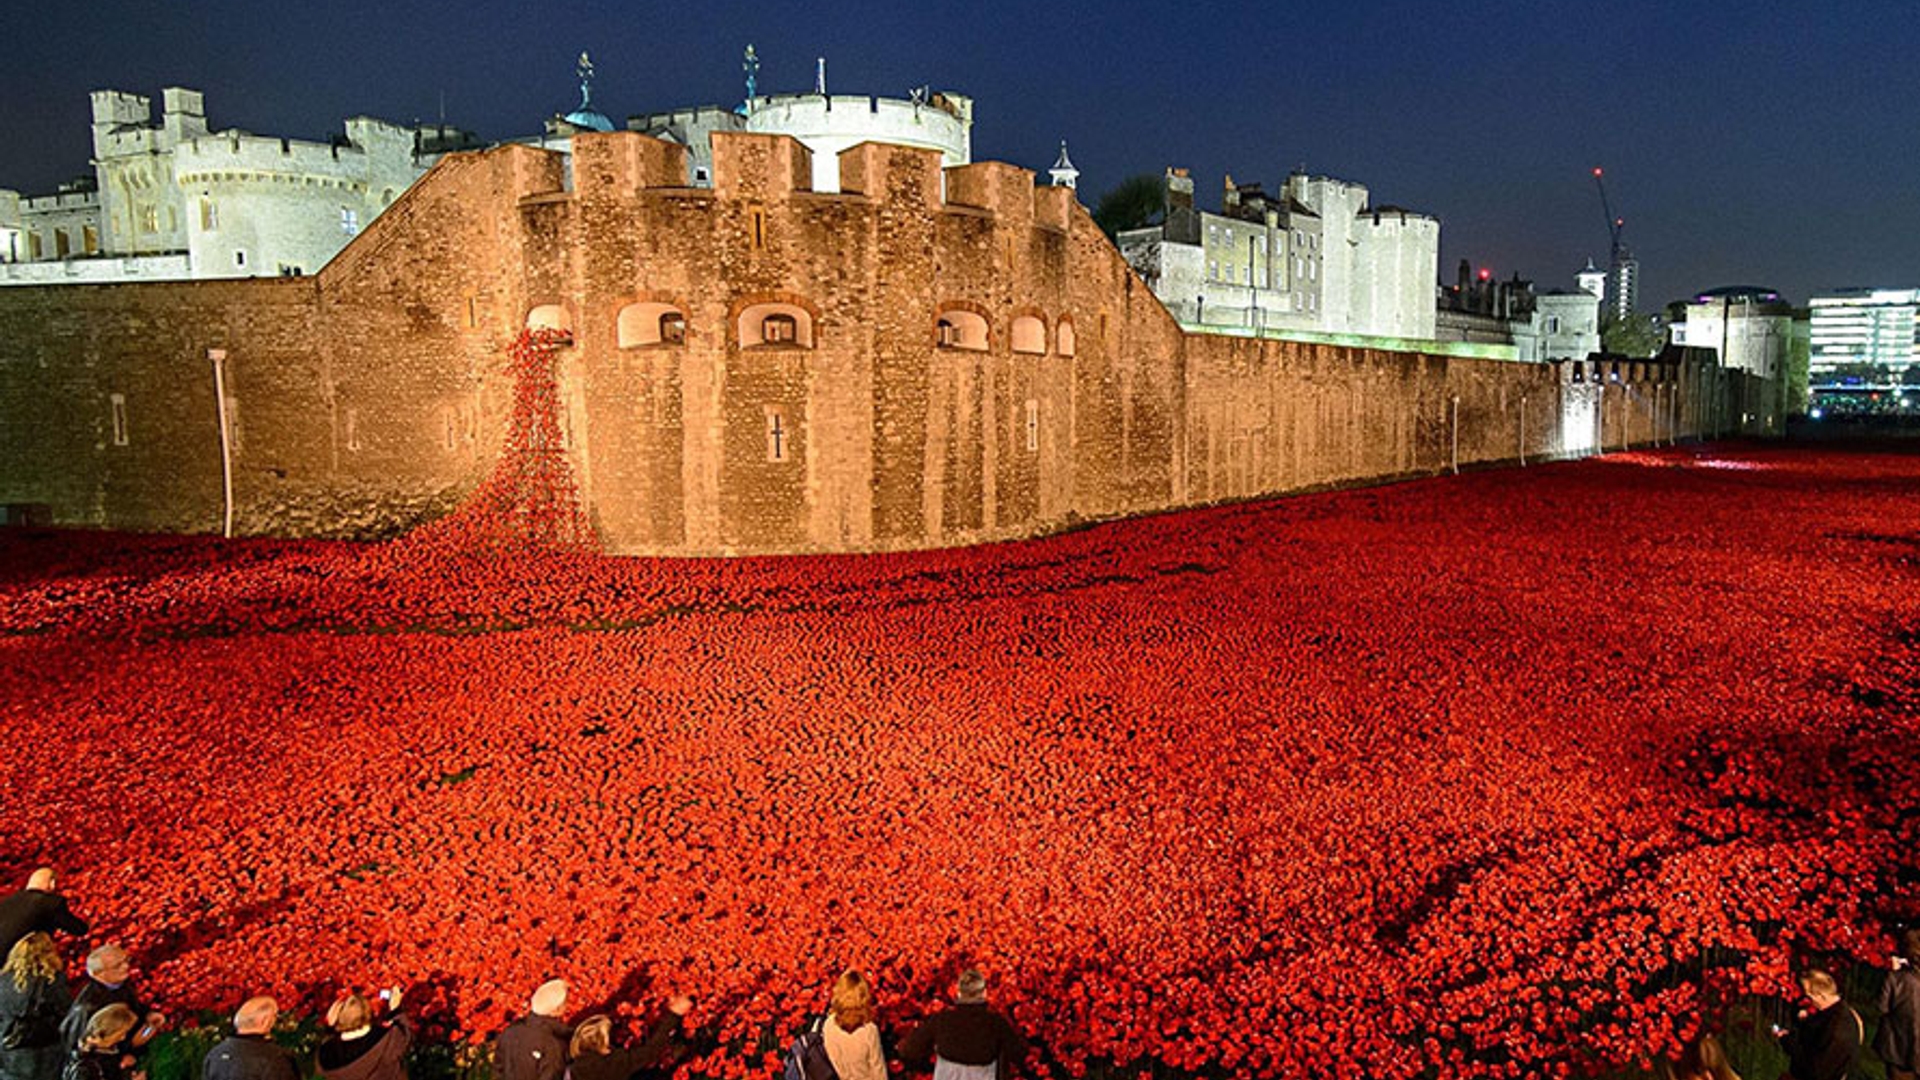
372	396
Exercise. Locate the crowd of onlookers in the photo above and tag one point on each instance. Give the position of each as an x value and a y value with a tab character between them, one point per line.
48	1031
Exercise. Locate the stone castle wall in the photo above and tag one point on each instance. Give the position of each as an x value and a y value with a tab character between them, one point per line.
372	396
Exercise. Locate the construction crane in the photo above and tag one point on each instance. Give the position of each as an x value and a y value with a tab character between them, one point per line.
1614	224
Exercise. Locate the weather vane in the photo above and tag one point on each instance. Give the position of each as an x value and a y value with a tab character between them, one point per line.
585	70
751	65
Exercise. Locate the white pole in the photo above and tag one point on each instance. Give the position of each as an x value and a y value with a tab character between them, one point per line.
1523	431
1456	434
219	358
1600	417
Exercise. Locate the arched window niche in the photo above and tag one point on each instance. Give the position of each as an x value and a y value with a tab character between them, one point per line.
1028	335
651	323
1063	337
959	328
775	325
550	317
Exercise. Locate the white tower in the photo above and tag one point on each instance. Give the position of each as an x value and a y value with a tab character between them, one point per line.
1063	172
1592	280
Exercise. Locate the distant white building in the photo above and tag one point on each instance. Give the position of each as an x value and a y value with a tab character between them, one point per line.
177	200
1555	324
1623	286
1749	326
1563	326
1865	339
1317	257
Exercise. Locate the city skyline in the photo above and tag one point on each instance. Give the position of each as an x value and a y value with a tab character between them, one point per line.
1752	150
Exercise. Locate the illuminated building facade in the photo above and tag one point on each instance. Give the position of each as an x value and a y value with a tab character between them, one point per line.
1864	339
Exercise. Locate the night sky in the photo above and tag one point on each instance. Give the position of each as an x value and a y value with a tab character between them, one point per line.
1755	144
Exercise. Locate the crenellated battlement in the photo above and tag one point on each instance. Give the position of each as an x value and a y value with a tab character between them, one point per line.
761	168
237	155
793	109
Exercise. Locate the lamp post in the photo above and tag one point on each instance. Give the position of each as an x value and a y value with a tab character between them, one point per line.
1253	301
218	357
1456	434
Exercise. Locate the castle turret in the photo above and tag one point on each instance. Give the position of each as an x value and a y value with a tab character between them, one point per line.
183	114
113	109
1063	173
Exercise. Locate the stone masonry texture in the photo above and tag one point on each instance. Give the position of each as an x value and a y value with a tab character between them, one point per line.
373	395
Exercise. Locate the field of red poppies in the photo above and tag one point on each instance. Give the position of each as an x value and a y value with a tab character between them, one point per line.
1515	773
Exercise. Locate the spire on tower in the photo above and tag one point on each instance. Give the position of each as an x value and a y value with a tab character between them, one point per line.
586	117
585	70
751	65
1063	173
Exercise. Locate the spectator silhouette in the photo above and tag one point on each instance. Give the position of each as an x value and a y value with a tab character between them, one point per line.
250	1052
851	1037
1824	1044
968	1041
1703	1059
534	1047
1898	1041
109	982
596	1058
360	1047
33	1001
36	908
102	1053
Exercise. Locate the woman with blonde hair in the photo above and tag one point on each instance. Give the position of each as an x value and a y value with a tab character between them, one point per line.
851	1037
361	1047
102	1054
33	1001
1703	1059
594	1057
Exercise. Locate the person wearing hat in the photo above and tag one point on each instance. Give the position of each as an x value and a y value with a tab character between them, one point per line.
967	1041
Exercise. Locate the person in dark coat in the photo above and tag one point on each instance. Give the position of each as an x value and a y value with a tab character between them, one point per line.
36	908
534	1047
1898	1041
594	1057
103	1050
968	1041
1824	1043
250	1052
361	1047
33	1001
109	982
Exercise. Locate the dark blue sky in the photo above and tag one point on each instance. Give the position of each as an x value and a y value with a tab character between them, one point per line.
1760	143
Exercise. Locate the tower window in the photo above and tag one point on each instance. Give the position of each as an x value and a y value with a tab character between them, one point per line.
779	437
779	330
